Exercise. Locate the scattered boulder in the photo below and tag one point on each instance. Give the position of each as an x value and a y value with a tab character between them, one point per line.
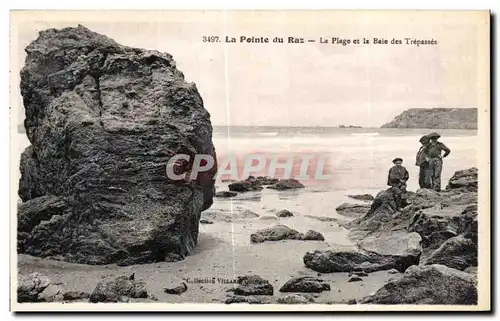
362	197
457	252
75	295
313	236
253	285
286	184
430	284
275	233
266	180
306	284
248	185
397	250
393	271
123	287
355	278
352	210
225	194
103	120
177	290
295	298
284	213
205	221
243	299
465	180
36	287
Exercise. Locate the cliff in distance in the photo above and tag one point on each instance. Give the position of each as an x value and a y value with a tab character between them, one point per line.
438	118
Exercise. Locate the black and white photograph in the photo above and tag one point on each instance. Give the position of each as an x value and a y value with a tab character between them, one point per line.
250	160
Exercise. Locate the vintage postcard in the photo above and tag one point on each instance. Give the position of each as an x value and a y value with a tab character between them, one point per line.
250	160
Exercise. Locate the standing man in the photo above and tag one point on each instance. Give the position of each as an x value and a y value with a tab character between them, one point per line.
433	154
424	177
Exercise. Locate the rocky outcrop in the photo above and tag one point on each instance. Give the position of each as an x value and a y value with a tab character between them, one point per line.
253	285
36	287
396	251
103	120
432	284
443	223
465	180
437	118
286	184
435	216
118	290
305	284
457	252
447	218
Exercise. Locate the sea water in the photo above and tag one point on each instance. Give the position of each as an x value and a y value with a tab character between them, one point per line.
361	159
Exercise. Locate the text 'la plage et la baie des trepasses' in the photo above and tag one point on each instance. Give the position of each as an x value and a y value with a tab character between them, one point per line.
409	41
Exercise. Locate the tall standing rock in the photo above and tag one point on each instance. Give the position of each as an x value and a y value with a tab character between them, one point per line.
103	120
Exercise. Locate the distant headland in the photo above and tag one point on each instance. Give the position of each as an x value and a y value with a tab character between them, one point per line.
438	118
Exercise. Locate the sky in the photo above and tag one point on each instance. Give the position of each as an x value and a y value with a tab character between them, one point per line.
308	84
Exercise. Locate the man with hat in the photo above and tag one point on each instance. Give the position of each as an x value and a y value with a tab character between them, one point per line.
433	155
398	175
424	177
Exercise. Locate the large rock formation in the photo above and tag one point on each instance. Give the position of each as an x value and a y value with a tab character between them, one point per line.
465	180
36	287
445	222
433	284
390	251
103	120
457	252
438	118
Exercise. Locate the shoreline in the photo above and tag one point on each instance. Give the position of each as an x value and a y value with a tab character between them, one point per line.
224	253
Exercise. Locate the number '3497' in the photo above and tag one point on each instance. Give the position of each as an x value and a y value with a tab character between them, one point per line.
210	39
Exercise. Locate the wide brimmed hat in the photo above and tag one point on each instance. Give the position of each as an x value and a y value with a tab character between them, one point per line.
433	135
424	139
397	159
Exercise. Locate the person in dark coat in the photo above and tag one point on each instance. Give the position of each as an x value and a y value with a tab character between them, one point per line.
433	155
398	175
424	175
